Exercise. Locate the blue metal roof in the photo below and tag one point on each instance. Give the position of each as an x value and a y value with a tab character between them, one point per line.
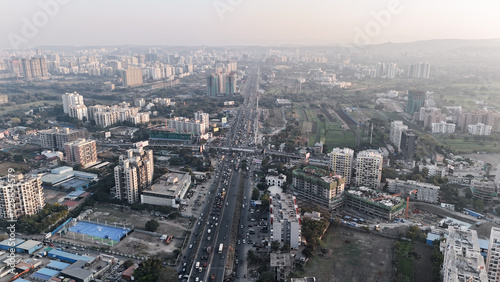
21	280
58	265
45	274
69	256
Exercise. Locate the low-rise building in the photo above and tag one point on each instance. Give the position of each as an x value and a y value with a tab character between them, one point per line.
282	264
276	180
425	192
375	203
168	190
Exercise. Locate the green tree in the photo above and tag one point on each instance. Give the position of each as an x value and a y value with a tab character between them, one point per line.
152	225
275	246
148	270
255	194
167	274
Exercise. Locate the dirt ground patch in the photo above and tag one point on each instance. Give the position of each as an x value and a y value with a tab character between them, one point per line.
348	255
18	167
51	196
146	245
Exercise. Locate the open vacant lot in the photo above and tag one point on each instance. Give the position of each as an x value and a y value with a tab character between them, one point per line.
349	255
17	167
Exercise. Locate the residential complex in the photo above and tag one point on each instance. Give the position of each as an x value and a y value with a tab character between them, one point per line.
284	220
133	174
397	128
318	186
106	116
73	105
341	163
368	169
479	129
55	138
20	195
425	192
32	68
462	257
492	266
168	190
420	70
221	84
132	77
483	190
375	203
81	151
443	127
415	102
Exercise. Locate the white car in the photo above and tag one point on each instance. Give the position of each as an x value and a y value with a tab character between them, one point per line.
191	246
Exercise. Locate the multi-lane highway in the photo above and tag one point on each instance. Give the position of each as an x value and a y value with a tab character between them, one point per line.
212	250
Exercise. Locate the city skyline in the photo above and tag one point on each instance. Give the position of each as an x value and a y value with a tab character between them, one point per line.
224	22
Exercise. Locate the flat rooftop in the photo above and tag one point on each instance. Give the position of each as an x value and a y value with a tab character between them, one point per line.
376	196
169	184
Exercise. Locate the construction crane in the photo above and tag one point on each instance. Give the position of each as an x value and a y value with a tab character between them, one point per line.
340	178
386	197
408	201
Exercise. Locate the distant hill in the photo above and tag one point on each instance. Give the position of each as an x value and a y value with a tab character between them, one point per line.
435	45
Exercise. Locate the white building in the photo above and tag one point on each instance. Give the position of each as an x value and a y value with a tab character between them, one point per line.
443	127
20	195
73	105
425	192
204	118
492	266
479	129
284	220
276	180
462	257
341	163
133	174
181	125
168	190
397	128
368	169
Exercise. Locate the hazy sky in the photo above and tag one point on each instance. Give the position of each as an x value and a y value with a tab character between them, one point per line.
243	22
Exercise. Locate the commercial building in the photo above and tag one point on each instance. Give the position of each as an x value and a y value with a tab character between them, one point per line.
483	190
443	128
132	77
462	257
81	151
492	266
55	138
133	174
284	220
397	128
375	203
368	169
168	190
341	163
408	144
318	186
425	192
20	195
163	135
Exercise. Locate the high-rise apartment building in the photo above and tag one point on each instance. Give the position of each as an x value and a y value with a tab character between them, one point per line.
391	71
133	174
421	70
55	138
319	186
462	257
341	163
132	77
408	144
221	84
492	266
415	101
479	129
204	118
397	128
73	105
20	195
183	125
368	169
81	151
34	68
443	128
